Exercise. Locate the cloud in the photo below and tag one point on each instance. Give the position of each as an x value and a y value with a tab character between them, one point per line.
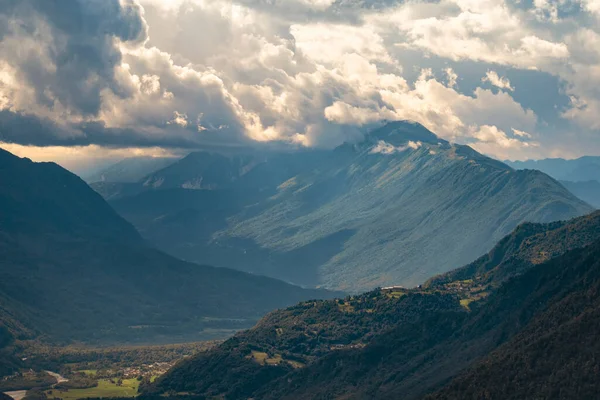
593	6
383	147
490	137
491	134
452	77
79	159
185	73
79	72
32	130
329	42
502	83
66	52
486	31
521	134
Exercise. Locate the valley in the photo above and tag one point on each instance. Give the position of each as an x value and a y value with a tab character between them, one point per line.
73	270
88	372
105	325
299	199
395	341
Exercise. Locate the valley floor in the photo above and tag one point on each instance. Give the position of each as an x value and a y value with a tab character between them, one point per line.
107	388
86	372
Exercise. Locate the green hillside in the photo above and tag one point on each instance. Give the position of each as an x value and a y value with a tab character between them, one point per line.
556	354
406	343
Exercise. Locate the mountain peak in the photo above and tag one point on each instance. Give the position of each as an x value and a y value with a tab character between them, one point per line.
401	132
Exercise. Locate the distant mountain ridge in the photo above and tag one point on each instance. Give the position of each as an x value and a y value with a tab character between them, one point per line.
588	191
74	270
580	176
578	170
396	208
503	327
129	170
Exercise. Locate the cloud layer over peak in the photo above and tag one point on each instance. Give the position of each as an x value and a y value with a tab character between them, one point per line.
511	79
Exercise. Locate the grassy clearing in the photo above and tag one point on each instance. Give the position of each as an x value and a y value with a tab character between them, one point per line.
275	360
395	294
295	364
105	388
89	372
259	356
465	303
264	359
473	297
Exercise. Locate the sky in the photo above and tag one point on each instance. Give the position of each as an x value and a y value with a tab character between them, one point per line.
89	80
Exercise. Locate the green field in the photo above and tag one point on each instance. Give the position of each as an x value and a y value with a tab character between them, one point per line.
89	372
105	388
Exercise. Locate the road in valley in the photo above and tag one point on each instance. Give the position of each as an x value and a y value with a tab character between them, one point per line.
59	378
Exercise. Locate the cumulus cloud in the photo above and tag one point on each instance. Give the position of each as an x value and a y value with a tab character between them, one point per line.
491	137
65	53
521	134
495	80
185	73
451	76
383	147
491	134
78	72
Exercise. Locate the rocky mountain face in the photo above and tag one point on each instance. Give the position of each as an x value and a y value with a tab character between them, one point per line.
397	208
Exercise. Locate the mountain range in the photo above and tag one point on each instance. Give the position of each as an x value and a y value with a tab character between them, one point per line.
396	208
577	170
519	322
588	191
129	169
73	270
581	176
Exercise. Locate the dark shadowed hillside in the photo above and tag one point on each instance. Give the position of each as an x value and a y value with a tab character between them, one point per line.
524	328
72	269
406	343
295	339
556	354
397	208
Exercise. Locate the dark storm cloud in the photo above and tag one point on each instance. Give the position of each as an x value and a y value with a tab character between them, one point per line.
31	130
75	52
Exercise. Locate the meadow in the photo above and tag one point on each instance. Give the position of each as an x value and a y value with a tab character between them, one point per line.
105	389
